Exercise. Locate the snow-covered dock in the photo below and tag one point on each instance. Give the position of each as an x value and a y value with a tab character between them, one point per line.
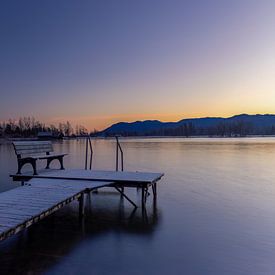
135	178
120	179
42	194
23	206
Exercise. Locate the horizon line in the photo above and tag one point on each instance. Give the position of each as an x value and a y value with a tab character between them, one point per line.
16	120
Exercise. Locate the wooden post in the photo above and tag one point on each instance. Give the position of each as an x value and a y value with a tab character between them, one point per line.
144	214
154	188
142	197
81	206
122	194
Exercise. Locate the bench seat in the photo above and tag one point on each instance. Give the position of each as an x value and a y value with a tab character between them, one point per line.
31	151
49	156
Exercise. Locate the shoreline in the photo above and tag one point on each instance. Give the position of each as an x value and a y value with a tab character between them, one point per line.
9	140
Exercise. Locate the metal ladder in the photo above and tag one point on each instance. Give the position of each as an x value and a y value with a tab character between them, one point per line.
89	157
89	145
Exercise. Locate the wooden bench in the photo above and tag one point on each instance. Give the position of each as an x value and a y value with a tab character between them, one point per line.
31	151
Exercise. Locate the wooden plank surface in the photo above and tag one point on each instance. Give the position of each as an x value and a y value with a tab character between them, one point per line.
32	147
25	205
31	142
98	175
33	151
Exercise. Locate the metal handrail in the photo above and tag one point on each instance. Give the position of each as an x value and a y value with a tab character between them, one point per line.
89	144
118	148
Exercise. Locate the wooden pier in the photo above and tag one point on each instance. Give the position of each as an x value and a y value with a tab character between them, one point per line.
41	195
120	179
126	177
23	206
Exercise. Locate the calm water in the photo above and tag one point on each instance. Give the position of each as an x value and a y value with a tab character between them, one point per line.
215	213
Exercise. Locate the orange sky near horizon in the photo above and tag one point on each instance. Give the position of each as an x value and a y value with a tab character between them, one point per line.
101	123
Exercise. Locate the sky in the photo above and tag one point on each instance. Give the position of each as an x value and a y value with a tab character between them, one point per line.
98	62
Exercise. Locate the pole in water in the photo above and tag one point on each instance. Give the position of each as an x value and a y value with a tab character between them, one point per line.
116	153
86	157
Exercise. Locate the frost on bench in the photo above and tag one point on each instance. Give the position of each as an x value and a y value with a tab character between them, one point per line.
31	151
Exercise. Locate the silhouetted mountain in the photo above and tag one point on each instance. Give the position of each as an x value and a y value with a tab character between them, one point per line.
238	125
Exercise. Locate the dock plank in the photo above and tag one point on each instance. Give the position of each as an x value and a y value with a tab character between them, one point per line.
25	205
52	189
96	175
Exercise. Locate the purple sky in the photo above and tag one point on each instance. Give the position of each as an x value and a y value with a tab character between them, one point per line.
98	62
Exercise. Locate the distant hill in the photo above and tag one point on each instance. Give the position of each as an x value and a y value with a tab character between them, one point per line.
239	125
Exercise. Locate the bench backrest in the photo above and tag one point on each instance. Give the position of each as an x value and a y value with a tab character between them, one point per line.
32	147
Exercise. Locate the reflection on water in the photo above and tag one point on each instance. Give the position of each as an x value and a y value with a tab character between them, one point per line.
215	214
55	242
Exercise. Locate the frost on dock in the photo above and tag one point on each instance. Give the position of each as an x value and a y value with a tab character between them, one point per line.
52	189
23	206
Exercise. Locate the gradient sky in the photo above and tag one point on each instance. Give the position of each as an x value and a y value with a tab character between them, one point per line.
99	62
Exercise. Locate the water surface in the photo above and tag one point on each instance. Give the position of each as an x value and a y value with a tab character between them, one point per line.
215	213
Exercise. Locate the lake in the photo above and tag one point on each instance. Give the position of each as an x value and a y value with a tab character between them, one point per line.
215	212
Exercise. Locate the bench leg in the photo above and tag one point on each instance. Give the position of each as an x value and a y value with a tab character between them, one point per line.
60	159
22	162
48	163
20	165
61	163
33	163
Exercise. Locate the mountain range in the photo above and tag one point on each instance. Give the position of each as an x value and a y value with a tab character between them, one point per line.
243	124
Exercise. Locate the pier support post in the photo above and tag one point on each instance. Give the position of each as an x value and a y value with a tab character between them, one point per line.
154	188
143	197
81	205
123	195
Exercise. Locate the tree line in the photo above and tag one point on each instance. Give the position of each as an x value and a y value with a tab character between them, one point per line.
30	127
223	129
